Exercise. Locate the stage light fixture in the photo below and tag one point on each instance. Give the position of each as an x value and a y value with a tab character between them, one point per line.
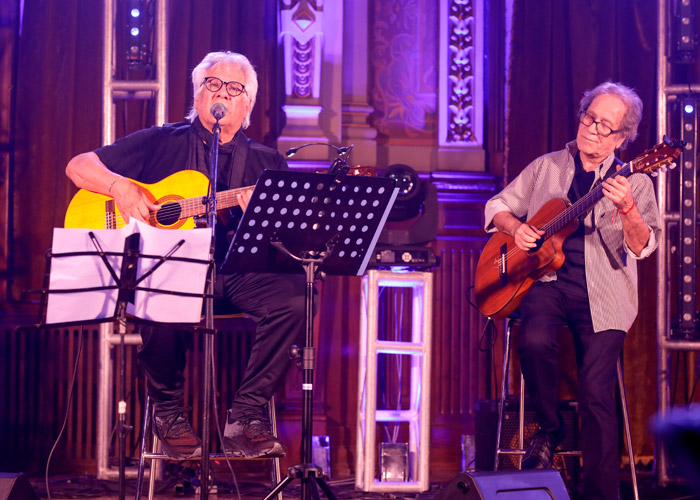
136	50
684	34
685	323
411	192
411	223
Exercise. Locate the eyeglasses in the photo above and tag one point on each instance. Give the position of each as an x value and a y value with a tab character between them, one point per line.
213	84
601	128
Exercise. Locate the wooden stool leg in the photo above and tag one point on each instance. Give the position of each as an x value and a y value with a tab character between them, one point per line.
626	425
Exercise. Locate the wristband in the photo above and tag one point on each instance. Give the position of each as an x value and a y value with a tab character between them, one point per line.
628	210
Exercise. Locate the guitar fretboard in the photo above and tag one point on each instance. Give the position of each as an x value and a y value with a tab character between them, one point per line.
581	206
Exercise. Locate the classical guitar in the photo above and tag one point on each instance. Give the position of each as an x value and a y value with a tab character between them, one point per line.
180	195
505	273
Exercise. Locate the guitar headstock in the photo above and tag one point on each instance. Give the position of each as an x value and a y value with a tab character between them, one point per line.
658	157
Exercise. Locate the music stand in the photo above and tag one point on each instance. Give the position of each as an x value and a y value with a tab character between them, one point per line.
310	223
99	294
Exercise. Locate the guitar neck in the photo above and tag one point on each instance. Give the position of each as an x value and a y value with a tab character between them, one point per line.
582	205
193	207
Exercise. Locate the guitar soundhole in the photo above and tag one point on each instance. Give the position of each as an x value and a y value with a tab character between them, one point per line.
168	214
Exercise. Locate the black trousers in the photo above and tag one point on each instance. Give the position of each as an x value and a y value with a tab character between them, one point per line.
276	302
544	310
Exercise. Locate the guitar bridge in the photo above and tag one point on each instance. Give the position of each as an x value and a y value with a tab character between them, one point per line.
503	264
110	214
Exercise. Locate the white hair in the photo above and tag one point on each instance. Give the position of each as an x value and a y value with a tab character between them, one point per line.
631	100
225	57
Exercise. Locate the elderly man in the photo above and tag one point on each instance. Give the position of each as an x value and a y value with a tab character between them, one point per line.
274	302
594	293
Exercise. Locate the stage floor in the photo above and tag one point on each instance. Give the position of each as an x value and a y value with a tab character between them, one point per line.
181	484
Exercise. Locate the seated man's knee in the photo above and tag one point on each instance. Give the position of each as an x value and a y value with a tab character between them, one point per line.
535	344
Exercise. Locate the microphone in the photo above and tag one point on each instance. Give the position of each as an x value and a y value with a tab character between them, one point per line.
218	111
341	151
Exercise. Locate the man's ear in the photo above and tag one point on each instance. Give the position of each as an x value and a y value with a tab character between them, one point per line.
620	142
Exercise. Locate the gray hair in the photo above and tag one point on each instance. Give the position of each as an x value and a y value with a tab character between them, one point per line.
633	115
226	57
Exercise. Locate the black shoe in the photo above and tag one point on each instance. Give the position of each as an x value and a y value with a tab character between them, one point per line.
539	454
250	439
176	436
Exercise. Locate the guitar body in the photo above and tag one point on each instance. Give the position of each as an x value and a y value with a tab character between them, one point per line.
505	273
96	211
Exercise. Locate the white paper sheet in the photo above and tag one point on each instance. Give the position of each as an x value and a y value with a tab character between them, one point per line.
71	273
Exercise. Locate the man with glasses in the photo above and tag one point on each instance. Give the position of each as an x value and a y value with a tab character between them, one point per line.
274	302
594	293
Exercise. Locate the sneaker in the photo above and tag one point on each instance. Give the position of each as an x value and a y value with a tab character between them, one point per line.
178	440
250	439
539	454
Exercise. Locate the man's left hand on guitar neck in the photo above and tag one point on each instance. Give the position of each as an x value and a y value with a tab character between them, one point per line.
637	233
244	196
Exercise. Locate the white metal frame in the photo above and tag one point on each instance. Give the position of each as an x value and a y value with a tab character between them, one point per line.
112	90
420	350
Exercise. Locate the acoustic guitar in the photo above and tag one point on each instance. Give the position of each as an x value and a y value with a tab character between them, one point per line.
505	273
180	195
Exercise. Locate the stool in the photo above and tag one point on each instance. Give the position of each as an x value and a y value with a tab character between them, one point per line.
155	454
521	412
222	311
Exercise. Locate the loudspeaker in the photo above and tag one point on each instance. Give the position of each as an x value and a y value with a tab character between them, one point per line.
507	485
15	486
487	420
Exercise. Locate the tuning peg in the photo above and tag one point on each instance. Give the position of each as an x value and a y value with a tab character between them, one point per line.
672	165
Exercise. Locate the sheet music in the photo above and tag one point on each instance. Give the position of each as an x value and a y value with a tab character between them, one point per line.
71	273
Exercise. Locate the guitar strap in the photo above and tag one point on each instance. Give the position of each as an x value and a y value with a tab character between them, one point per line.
611	171
238	162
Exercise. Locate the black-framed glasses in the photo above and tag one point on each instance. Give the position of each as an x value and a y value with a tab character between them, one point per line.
214	84
601	128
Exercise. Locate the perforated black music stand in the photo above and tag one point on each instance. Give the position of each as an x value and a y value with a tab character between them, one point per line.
310	223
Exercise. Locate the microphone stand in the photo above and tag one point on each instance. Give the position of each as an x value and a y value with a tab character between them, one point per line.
209	309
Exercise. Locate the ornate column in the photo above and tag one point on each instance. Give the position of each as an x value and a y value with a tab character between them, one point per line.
356	107
461	94
312	32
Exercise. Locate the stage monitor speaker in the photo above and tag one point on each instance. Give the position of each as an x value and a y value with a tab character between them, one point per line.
15	486
506	485
487	422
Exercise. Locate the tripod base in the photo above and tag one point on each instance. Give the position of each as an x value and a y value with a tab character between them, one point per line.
310	476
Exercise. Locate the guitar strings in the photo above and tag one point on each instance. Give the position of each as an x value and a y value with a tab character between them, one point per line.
177	208
625	170
564	214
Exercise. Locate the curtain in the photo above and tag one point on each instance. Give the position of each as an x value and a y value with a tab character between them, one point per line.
561	49
59	99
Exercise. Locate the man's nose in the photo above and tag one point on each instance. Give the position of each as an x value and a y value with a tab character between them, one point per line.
593	128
